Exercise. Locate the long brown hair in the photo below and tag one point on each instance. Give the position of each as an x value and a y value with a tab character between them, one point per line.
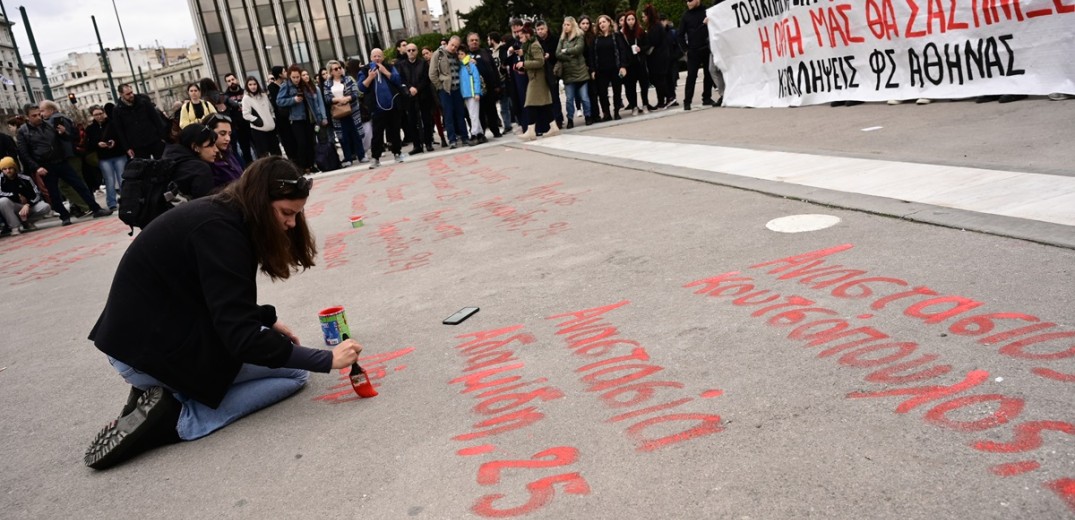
631	32
651	16
302	85
265	181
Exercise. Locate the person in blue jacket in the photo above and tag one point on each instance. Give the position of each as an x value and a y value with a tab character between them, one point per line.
384	83
306	110
470	86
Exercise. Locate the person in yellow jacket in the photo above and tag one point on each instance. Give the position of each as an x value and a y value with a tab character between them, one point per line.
195	108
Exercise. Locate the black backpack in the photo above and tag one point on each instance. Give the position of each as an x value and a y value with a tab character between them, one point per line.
147	190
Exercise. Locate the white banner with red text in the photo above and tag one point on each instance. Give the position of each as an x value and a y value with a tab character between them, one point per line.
779	53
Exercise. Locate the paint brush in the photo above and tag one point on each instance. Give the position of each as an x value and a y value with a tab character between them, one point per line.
363	389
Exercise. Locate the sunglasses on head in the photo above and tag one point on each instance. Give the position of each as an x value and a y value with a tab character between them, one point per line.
216	118
302	183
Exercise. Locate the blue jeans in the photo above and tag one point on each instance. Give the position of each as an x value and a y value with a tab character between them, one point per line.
577	89
451	105
350	140
254	388
112	171
505	111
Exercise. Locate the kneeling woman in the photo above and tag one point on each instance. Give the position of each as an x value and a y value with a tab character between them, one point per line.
182	324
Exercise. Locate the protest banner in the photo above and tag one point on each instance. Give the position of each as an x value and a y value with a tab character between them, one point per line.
779	53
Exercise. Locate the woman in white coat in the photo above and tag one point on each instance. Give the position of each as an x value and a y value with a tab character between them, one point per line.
257	109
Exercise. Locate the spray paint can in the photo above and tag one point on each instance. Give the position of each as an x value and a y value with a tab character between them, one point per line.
334	325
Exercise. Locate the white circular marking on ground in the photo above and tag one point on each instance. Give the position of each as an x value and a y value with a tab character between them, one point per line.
801	223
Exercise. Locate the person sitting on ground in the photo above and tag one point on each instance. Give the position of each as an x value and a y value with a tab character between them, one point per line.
182	324
21	203
192	156
226	167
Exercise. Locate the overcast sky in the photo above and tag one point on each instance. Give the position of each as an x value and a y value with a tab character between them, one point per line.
63	26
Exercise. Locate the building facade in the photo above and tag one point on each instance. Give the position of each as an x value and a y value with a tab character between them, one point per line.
83	73
449	18
13	94
249	37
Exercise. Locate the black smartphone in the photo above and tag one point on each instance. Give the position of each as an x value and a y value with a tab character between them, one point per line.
460	316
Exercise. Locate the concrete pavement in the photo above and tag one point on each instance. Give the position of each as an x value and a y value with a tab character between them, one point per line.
903	370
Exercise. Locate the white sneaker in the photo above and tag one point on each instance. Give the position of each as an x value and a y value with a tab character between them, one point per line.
553	130
345	164
398	157
374	163
923	101
894	101
1059	96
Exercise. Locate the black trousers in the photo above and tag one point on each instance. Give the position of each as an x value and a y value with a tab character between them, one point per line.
265	143
603	80
63	170
385	122
635	83
487	111
287	139
426	106
693	62
554	89
302	133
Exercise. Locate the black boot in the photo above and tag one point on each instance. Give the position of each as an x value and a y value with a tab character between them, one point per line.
416	150
132	400
616	114
589	121
570	124
150	424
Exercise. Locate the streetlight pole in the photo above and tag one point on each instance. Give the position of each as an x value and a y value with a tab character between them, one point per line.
37	55
104	58
125	48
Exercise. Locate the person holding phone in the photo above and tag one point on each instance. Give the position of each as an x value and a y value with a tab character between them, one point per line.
306	111
112	159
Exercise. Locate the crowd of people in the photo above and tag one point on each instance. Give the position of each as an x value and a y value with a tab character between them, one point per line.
354	111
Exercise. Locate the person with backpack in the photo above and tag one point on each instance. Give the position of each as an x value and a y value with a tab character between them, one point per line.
194	108
182	323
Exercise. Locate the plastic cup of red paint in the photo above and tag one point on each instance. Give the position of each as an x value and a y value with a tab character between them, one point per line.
356	221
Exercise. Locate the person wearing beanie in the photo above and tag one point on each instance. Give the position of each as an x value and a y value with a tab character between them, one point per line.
21	203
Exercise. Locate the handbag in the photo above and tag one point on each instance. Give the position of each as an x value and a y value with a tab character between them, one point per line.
558	70
341	111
